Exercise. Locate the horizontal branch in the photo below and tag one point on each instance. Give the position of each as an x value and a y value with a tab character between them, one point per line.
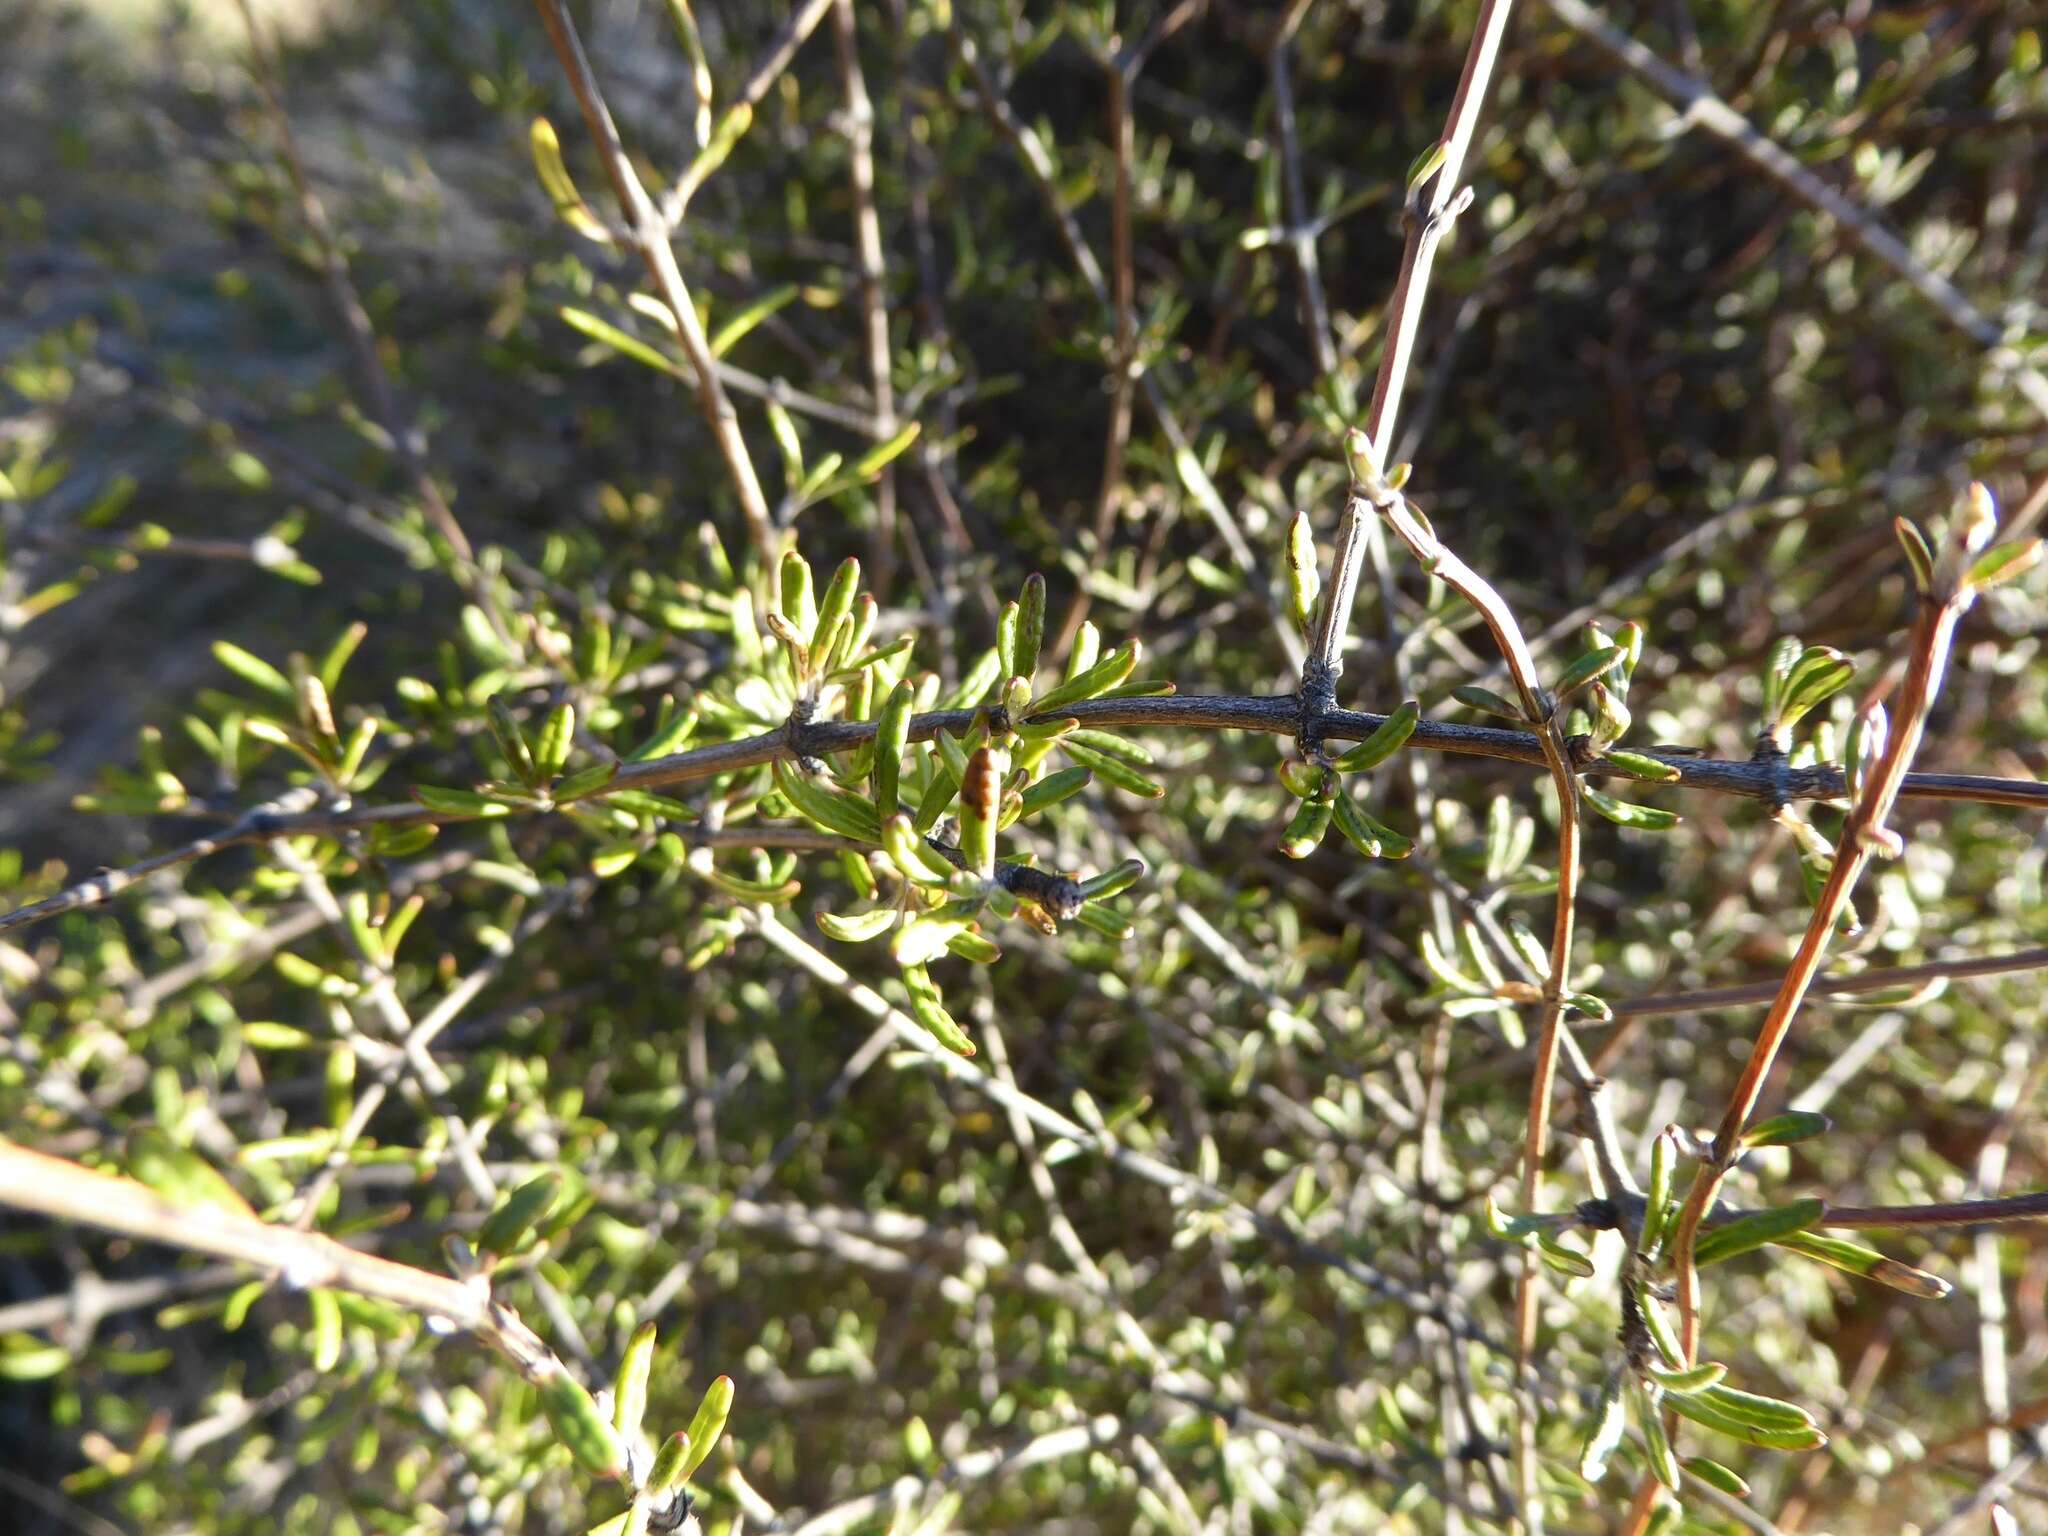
1951	1213
1749	993
1276	715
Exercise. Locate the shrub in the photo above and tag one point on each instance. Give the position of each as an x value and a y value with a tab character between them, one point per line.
809	843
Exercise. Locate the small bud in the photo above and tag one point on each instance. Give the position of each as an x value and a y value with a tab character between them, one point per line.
1976	518
1304	580
1864	748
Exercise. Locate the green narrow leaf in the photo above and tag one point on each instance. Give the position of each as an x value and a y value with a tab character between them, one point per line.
1085	651
1647	770
1384	742
255	671
1794	1125
1840	1253
1751	1408
1663	1464
1487	702
1111	771
669	1462
1589	666
581	1428
1113	882
1610	1423
929	1009
883	454
834	606
1052	789
326	1310
856	927
1702	1411
2008	562
1104	675
1311	821
1657	1198
1563	1258
517	1215
1714	1475
1006	639
729	335
836	810
1644	818
584	782
1727	1239
798	602
974	687
1695	1379
629	1387
511	739
1918	555
557	736
892	735
1365	834
624	343
1030	626
458	802
1304	580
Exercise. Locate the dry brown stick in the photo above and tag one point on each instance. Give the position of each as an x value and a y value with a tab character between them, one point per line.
1945	595
649	233
1700	105
1951	1213
68	1192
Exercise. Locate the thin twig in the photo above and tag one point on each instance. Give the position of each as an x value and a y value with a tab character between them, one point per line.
1862	833
1432	205
1701	107
1187	464
867	229
1749	993
375	383
1539	707
734	121
650	234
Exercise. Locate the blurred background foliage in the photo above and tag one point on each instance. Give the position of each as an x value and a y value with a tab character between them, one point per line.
1652	387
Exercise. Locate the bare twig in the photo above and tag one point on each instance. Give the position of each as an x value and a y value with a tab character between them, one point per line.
1749	993
1432	205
